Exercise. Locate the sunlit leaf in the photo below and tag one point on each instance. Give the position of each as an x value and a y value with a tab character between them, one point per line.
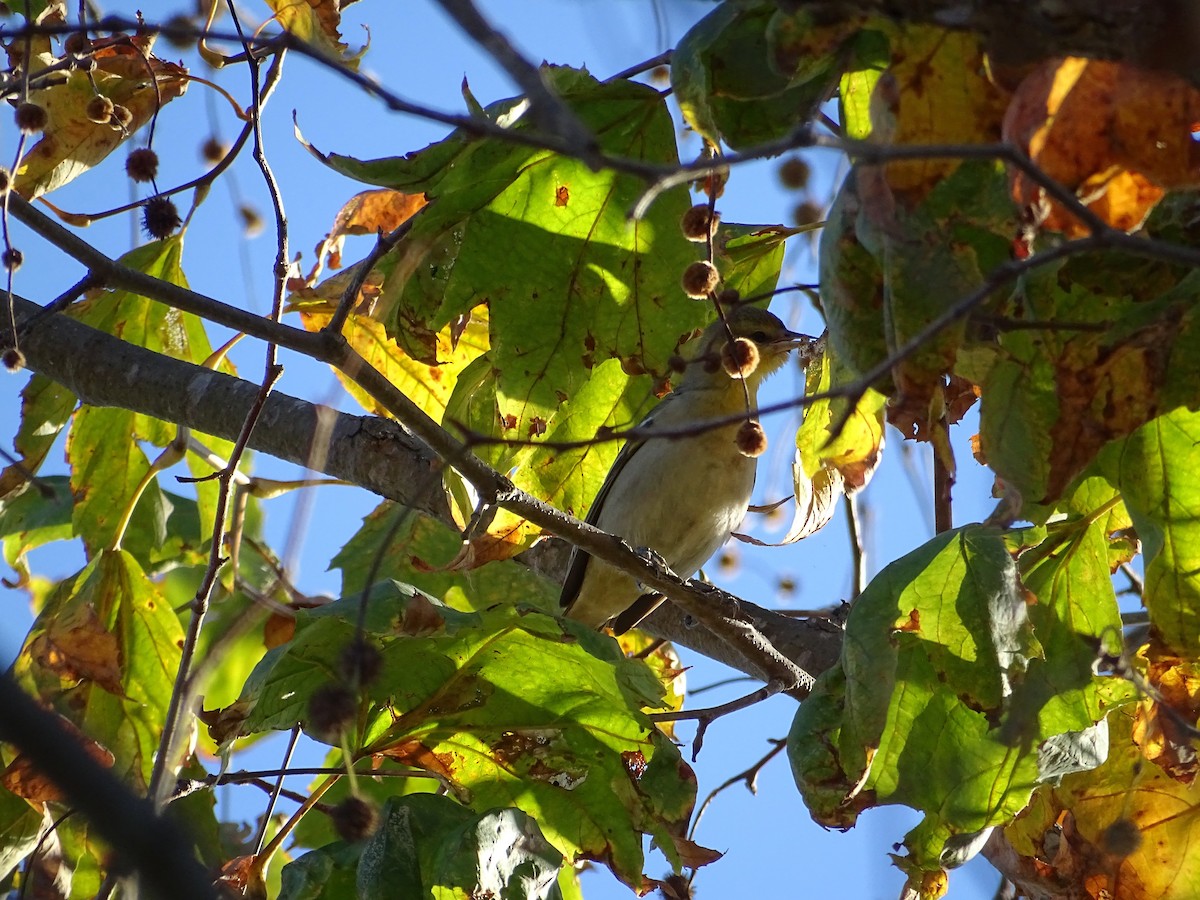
945	690
46	406
103	652
564	742
1155	468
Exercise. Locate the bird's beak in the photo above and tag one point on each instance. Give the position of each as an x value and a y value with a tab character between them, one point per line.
793	339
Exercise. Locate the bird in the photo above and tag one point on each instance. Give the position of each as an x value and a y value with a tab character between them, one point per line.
681	497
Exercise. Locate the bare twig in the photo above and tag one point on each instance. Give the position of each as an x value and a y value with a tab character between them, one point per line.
274	798
548	108
858	553
748	776
708	715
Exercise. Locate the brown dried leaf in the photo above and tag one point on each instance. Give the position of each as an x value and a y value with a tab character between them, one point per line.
317	22
77	646
71	143
242	876
368	212
24	779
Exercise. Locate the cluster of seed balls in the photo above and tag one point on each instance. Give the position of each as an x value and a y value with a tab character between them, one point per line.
739	356
332	710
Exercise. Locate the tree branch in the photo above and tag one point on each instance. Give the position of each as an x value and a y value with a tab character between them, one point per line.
384	458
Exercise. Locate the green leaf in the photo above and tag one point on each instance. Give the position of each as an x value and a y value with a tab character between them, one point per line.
104	652
836	433
431	846
428	845
31	520
871	54
1105	363
109	471
570	283
329	873
376	781
923	262
46	407
417	553
747	74
564	741
1155	469
944	691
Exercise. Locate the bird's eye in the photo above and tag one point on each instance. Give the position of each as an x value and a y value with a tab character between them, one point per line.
759	337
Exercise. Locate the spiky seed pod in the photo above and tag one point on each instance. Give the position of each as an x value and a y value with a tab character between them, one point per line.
122	116
142	164
160	218
14	359
30	117
699	223
331	710
1122	838
739	358
700	279
360	662
354	819
794	172
212	150
77	43
729	297
751	440
99	110
11	259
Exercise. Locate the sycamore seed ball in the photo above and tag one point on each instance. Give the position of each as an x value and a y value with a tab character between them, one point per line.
12	258
794	172
14	359
160	218
699	223
99	110
331	710
1122	838
30	117
354	819
122	116
751	440
700	279
739	358
142	164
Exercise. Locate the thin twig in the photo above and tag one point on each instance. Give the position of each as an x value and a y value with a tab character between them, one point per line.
749	775
708	715
548	108
858	553
274	798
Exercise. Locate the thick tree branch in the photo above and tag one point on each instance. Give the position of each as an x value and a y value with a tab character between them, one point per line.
384	458
104	371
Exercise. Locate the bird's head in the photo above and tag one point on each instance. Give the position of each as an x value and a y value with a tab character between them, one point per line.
749	343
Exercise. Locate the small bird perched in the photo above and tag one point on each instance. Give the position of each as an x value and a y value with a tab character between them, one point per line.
681	497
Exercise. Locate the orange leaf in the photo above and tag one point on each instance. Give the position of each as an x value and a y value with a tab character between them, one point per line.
1114	134
24	779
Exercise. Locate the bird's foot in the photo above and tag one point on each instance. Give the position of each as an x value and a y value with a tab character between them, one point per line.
655	559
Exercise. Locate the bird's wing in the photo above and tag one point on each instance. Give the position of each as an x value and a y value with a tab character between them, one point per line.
577	566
